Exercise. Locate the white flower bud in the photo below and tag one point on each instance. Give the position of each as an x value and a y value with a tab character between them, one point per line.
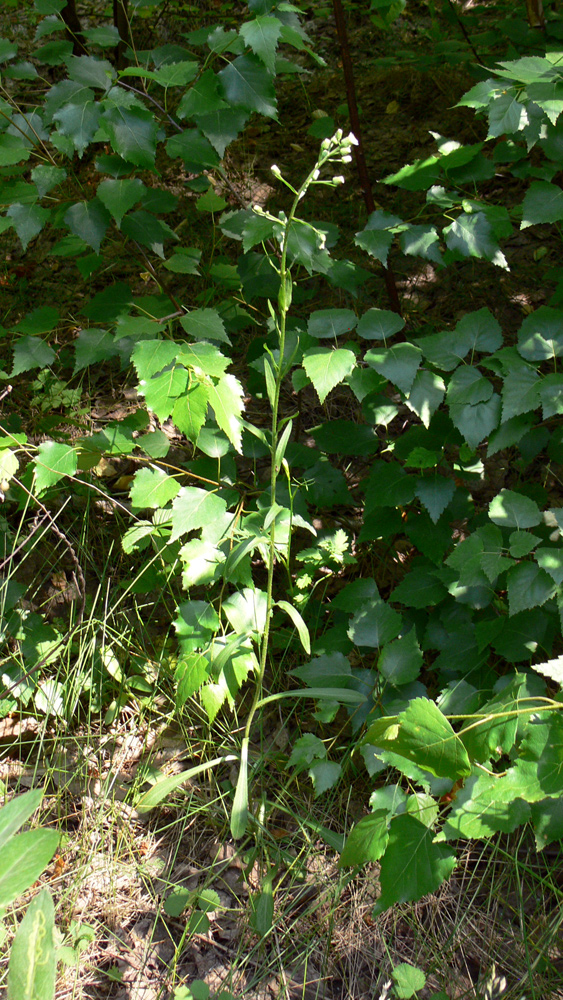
258	209
346	159
351	139
339	179
275	170
316	174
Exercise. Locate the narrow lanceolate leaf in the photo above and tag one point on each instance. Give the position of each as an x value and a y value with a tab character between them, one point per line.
194	508
226	398
33	965
239	814
15	813
88	220
413	865
327	368
52	463
300	625
24	857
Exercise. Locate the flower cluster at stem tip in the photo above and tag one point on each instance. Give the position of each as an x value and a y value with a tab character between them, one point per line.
338	147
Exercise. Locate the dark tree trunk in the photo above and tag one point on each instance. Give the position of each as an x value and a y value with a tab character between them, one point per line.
73	29
121	21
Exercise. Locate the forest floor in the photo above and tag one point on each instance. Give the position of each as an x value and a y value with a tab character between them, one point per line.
117	868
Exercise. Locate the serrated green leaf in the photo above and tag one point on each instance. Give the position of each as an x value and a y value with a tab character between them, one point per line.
91	71
205	324
472	236
506	114
27	220
551	560
374	624
194	508
145	228
53	461
161	391
46	178
399	364
367	840
421	241
540	336
467	385
543	203
327	368
485	805
221	127
435	494
325	323
514	510
247	83
478	421
388	486
400	661
324	775
528	587
93	345
202	97
119	196
379	324
31	352
89	220
261	35
190	411
426	395
132	133
420	588
152	488
413	865
192	670
520	393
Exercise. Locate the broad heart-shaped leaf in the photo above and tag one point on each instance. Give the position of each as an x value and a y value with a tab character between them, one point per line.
413	865
247	83
476	422
421	241
194	149
226	398
78	122
33	963
543	203
331	323
52	463
119	196
27	220
152	488
374	624
327	367
400	661
31	352
472	236
145	228
379	324
399	363
190	410
422	734
23	859
426	395
514	510
194	508
88	220
367	840
435	494
261	35
132	133
528	587
541	335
